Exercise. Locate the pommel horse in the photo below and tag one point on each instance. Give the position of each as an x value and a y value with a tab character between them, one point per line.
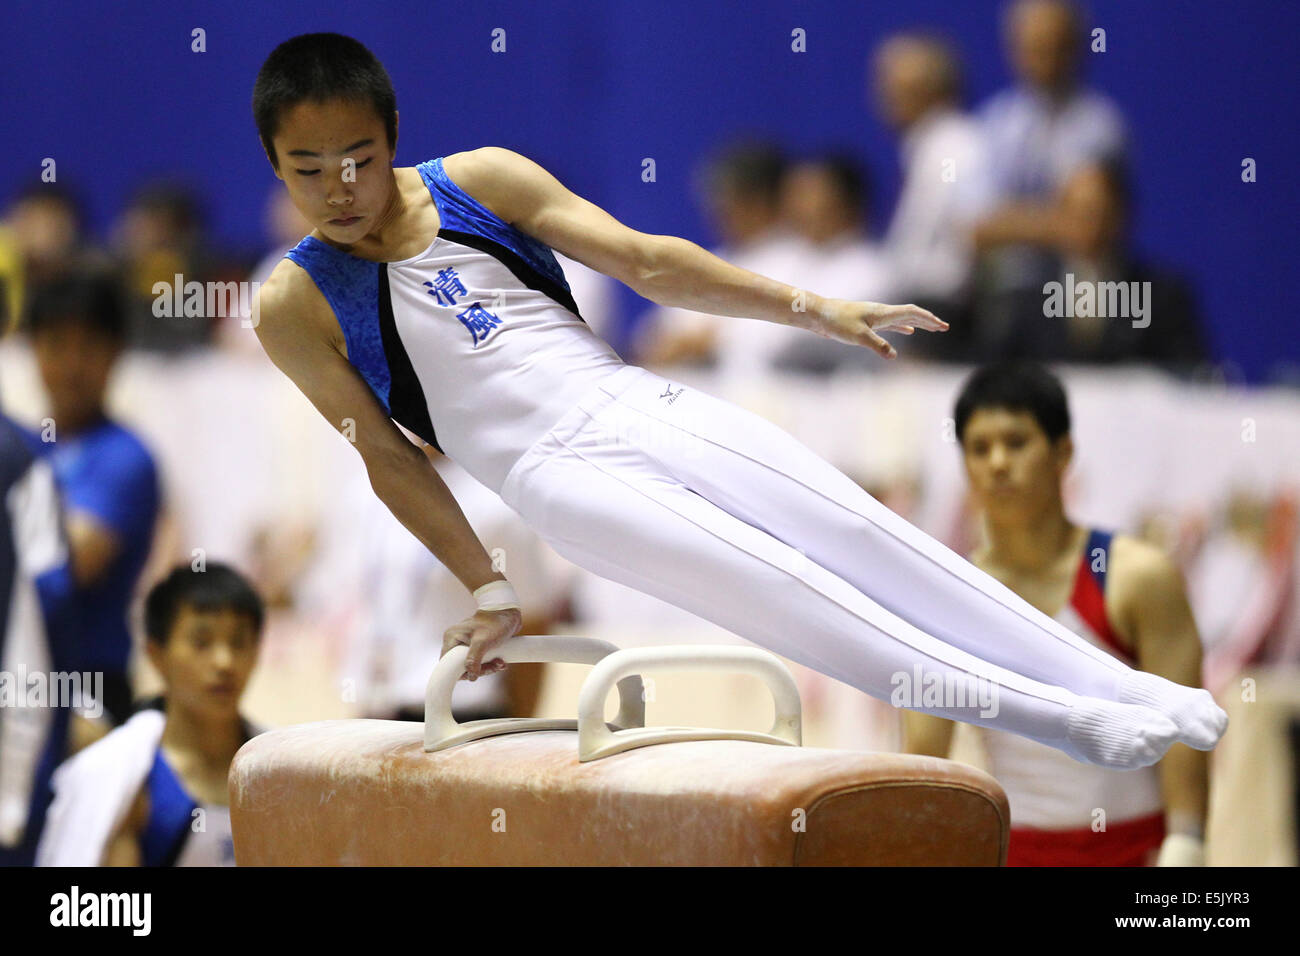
587	792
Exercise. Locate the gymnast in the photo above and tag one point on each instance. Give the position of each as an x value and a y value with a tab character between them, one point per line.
429	295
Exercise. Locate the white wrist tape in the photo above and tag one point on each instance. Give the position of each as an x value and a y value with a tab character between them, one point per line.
496	596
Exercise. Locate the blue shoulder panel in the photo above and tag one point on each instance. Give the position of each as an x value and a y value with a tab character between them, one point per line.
351	287
461	212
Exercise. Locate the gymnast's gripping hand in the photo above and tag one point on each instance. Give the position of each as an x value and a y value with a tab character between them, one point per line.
859	322
483	632
497	619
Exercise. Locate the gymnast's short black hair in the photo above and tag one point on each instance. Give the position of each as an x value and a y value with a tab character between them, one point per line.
217	588
1016	386
317	67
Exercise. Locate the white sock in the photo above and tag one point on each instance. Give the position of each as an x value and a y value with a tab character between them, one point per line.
1118	736
1201	722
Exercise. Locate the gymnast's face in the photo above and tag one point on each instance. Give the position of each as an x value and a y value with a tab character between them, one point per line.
343	200
207	660
1012	466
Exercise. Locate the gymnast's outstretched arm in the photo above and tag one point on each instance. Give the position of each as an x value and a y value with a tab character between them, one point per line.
671	271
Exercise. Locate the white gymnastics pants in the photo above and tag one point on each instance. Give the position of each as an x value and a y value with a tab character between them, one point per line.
663	488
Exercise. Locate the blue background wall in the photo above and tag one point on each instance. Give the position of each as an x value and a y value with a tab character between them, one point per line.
587	89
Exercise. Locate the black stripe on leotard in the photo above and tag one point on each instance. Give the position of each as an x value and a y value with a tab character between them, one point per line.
406	402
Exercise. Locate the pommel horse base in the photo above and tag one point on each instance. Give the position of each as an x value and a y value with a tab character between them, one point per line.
584	792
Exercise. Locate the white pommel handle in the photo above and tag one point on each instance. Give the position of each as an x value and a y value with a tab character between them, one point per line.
442	730
596	740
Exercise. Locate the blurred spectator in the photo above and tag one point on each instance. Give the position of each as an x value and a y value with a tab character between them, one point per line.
107	475
409	599
825	201
945	185
1242	569
1158	323
821	245
1039	133
741	192
154	791
36	638
285	228
161	235
1118	593
41	238
1048	124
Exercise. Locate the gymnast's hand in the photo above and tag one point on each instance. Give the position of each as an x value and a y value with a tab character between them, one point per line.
858	322
482	632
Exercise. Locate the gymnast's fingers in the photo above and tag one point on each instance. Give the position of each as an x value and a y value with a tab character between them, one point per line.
456	634
873	341
485	638
916	317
